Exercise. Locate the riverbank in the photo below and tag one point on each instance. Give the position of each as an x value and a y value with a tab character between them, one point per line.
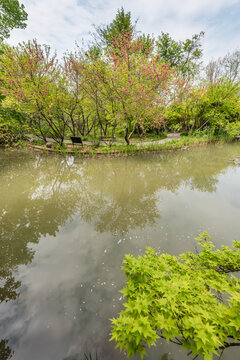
168	144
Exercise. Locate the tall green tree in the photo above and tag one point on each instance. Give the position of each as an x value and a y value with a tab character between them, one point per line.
184	55
121	24
109	35
12	15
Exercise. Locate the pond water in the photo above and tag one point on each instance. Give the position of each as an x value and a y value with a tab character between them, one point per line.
66	224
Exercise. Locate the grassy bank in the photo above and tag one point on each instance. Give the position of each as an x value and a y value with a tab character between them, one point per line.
132	149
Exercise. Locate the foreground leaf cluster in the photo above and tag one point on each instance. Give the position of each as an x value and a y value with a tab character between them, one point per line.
192	300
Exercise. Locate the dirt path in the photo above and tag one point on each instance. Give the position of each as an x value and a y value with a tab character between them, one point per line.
170	136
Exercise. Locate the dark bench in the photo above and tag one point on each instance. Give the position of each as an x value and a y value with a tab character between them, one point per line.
76	140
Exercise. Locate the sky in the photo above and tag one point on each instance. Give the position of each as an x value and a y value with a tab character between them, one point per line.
60	23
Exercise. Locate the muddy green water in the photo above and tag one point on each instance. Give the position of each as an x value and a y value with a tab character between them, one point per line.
66	224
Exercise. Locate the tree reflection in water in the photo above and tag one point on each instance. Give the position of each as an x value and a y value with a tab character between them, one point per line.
5	351
42	194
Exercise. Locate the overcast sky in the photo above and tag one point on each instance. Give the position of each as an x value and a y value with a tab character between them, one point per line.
60	23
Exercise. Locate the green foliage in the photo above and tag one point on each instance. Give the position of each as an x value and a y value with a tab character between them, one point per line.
192	300
169	49
122	24
148	43
95	52
219	107
213	106
12	119
10	138
175	117
12	15
12	127
184	55
126	84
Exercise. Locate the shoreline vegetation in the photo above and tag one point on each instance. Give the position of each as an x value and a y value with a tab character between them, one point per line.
121	149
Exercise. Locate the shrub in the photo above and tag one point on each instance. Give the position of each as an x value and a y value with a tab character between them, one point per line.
192	300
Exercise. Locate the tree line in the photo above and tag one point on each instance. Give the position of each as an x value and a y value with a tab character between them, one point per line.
124	83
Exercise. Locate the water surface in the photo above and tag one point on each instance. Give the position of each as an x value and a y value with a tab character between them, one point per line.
66	224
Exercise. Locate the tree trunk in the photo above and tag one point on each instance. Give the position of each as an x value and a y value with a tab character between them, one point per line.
126	136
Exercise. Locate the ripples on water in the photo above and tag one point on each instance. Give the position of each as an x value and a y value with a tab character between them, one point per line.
66	224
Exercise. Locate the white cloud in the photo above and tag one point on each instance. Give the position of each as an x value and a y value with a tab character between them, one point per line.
61	22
